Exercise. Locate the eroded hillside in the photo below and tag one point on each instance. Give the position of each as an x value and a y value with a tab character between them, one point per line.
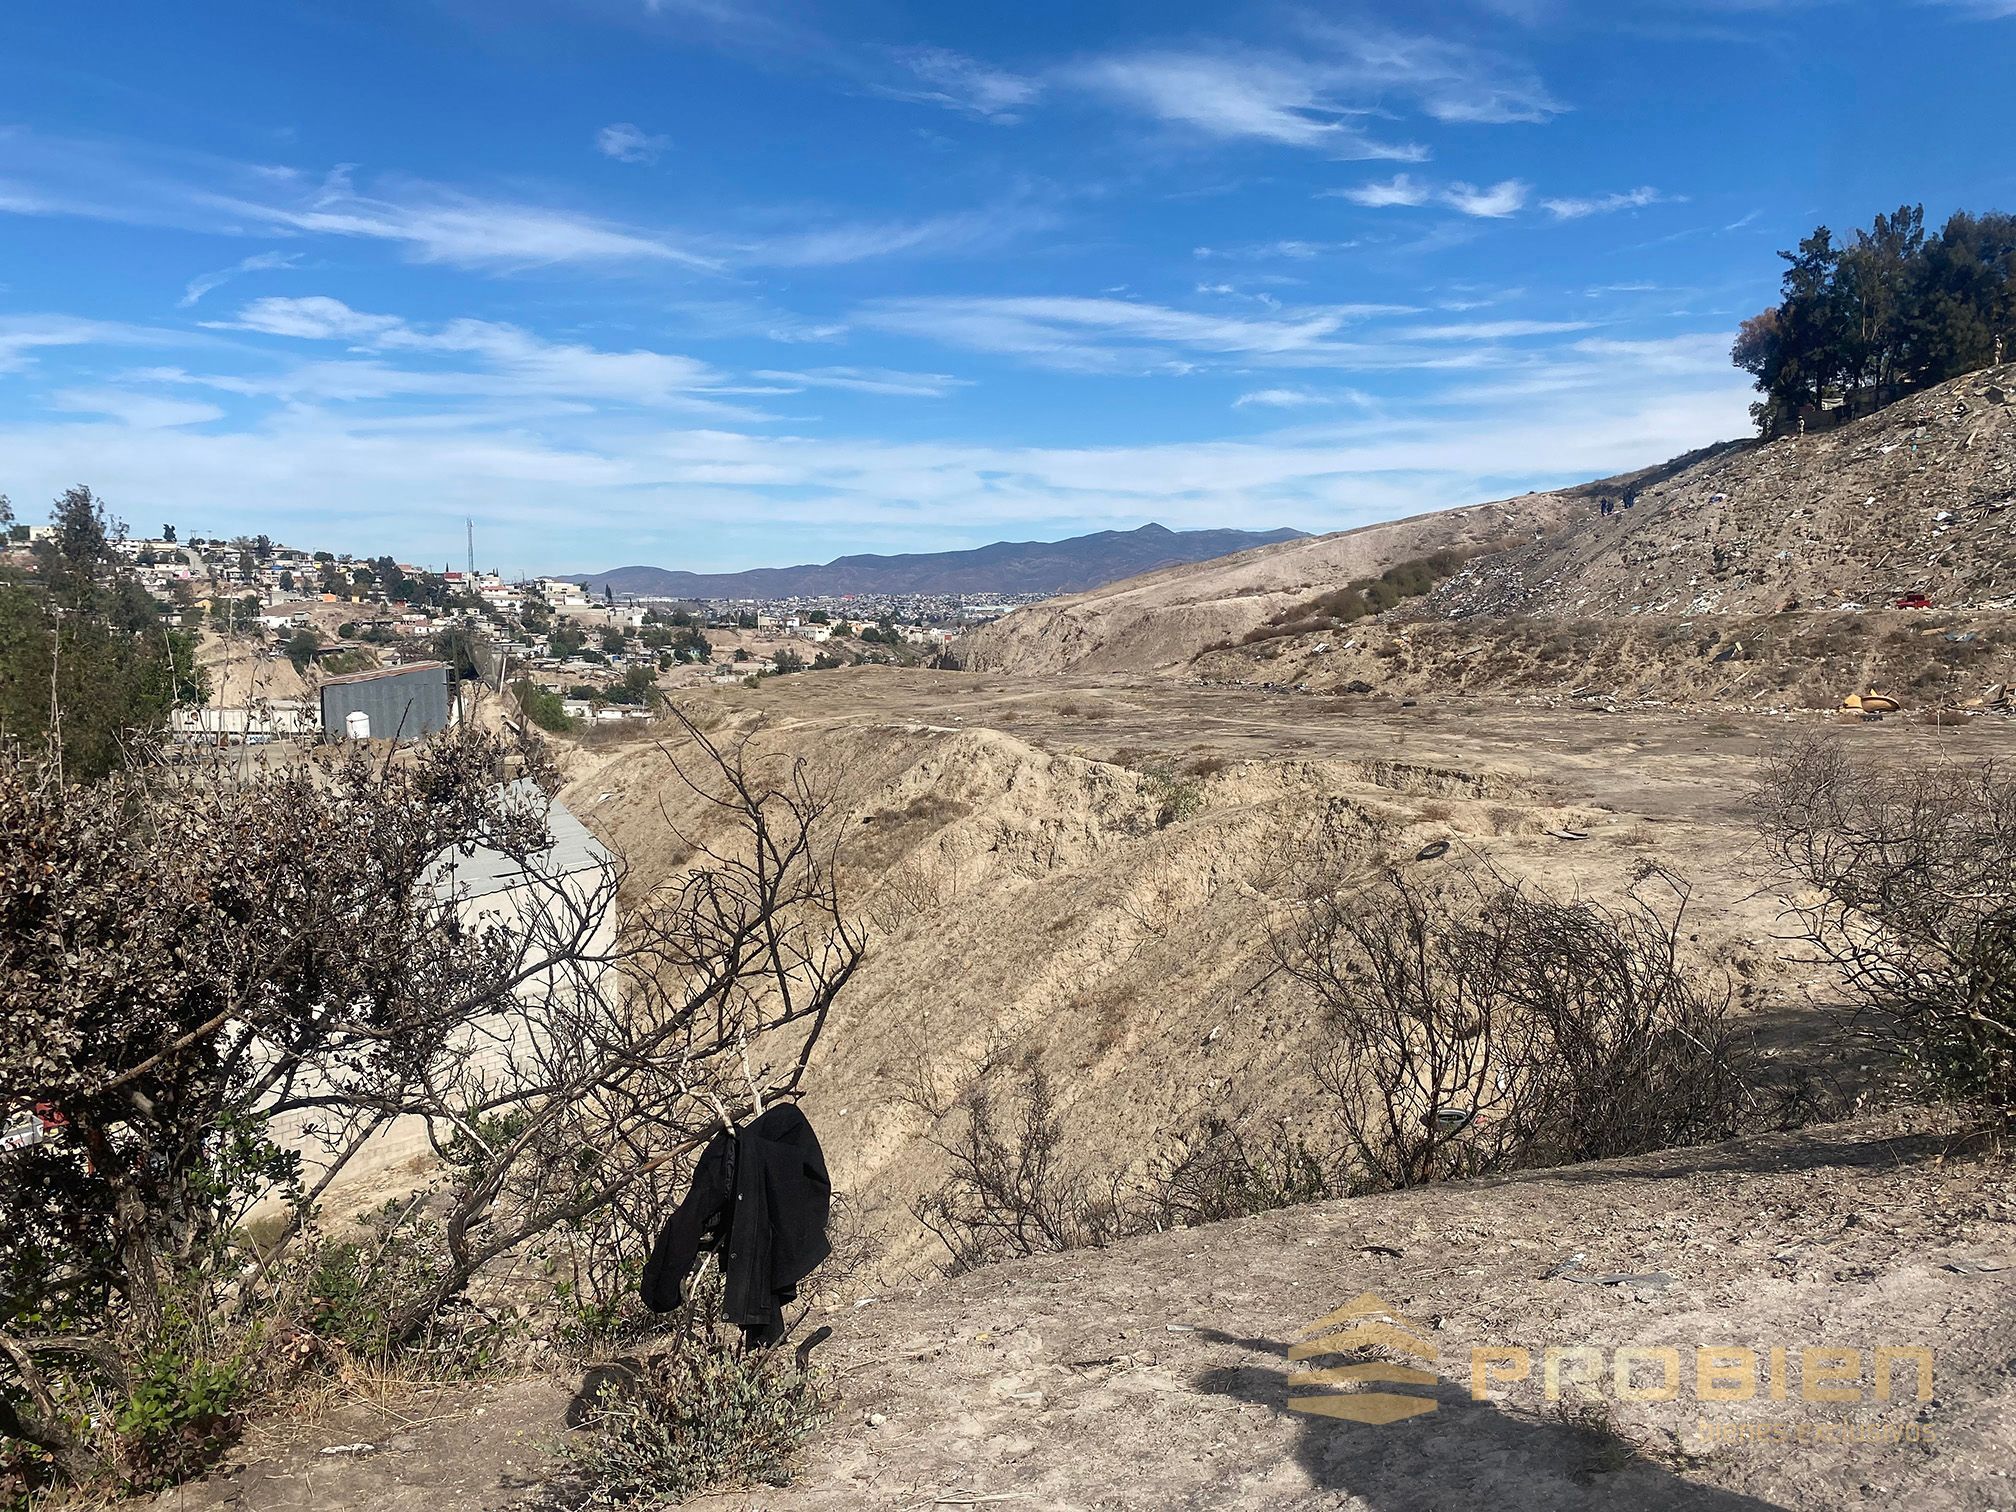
1918	498
1088	882
1081	875
1716	560
1162	619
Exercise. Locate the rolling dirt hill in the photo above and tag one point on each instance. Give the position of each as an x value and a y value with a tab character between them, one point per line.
1919	498
1162	619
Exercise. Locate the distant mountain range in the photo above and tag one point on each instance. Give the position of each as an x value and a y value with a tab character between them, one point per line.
1070	566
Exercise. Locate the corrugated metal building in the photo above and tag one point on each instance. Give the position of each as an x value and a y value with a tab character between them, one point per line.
401	703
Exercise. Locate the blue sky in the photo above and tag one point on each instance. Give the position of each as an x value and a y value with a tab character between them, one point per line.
712	284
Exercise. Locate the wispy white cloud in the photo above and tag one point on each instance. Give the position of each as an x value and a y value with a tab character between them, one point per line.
440	225
1293	249
1504	198
1603	204
506	361
867	380
1401	189
1979	10
726	318
315	317
827	246
629	143
21	336
1494	202
432	223
141	411
1491	330
1257	96
258	262
1323	93
1120	335
938	76
1299	398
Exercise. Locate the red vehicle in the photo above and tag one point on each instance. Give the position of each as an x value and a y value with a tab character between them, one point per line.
1914	601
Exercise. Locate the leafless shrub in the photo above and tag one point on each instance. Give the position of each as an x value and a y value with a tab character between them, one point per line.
905	891
1010	1191
1220	1171
1911	872
701	1415
219	986
1486	1026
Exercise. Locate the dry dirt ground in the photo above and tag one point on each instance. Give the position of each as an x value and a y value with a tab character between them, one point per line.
1035	891
1658	761
1155	1373
1084	874
241	674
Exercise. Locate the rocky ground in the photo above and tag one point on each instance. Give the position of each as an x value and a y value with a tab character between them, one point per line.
1156	1373
1918	498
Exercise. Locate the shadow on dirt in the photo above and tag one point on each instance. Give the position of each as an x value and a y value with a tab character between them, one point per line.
1465	1453
1831	1149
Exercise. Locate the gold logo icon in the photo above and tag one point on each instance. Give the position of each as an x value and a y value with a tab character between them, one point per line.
1365	1322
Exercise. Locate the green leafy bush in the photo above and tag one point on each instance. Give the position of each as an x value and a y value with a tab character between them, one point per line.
542	706
701	1417
179	1416
1359	598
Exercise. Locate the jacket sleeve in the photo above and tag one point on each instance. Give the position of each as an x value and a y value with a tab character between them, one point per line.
696	1224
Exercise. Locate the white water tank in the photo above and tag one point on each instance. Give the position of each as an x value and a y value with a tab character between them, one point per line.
357	725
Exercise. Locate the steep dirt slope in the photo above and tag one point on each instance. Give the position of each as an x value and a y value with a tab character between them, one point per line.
1937	662
1105	921
1917	498
1164	618
240	675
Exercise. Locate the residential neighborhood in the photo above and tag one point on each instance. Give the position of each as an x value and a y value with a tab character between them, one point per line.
276	623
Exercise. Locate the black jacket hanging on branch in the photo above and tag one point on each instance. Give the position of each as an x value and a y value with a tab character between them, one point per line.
760	1199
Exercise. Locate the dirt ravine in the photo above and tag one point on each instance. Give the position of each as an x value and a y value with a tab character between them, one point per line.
1087	879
